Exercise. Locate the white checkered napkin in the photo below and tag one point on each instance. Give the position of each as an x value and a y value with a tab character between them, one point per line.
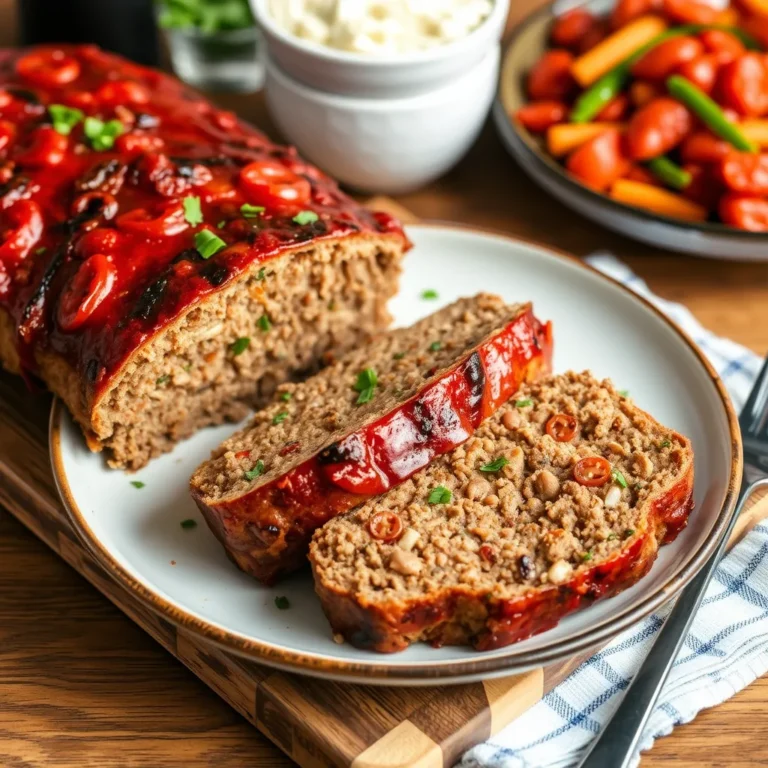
725	651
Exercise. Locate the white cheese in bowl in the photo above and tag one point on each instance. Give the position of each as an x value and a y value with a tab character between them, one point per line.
380	26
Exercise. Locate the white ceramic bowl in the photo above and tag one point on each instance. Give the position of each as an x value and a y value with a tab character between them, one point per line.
398	75
384	145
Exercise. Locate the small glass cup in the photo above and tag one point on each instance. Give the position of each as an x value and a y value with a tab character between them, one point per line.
221	61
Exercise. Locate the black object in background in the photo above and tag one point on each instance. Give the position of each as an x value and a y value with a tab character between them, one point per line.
126	27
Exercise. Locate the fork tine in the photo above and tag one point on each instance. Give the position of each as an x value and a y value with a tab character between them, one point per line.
753	413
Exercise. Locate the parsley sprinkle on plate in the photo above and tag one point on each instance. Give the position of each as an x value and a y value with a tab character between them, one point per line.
280	417
208	244
365	384
439	495
137	484
282	603
192	211
430	294
523	403
251	211
258	469
264	323
238	346
305	217
188	524
495	465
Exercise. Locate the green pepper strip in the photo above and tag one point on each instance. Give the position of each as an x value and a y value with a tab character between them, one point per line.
610	85
709	112
670	173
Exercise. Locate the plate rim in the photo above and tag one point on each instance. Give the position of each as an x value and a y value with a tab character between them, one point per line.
309	663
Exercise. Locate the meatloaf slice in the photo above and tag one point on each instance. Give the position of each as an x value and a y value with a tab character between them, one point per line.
562	497
363	425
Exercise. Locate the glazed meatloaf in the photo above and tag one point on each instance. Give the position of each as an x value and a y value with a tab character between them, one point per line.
560	498
363	425
161	263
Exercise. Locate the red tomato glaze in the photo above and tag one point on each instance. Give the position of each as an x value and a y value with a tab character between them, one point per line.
66	196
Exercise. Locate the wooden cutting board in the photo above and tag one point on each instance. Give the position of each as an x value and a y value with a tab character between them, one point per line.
317	723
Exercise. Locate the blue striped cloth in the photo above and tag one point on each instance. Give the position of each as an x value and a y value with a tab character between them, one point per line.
726	649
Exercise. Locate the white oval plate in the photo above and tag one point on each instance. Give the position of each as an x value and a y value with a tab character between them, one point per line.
186	577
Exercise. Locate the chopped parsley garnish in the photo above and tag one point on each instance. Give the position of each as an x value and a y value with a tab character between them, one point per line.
435	346
188	524
629	532
624	392
331	305
164	379
40	251
612	537
264	323
238	346
188	367
286	396
586	556
429	294
137	484
192	211
221	224
523	403
258	469
208	244
365	384
495	465
101	134
261	273
398	356
280	417
439	495
665	443
251	211
618	477
305	217
282	603
64	118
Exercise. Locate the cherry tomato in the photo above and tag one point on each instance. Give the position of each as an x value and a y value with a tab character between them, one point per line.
540	115
599	161
47	148
551	79
118	92
703	147
87	290
743	85
138	144
269	183
626	10
101	240
663	59
167	222
689	11
725	46
745	172
5	98
569	29
705	188
643	175
592	471
385	526
744	212
48	68
641	92
615	110
23	231
562	427
656	128
701	71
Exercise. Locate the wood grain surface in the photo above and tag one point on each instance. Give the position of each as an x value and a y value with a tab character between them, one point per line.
81	685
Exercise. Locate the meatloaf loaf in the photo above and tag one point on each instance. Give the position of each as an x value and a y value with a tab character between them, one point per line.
363	425
562	497
161	263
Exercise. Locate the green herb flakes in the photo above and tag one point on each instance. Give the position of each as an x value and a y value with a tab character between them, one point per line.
192	211
398	356
221	224
40	251
618	477
439	495
624	393
251	211
586	556
258	469
137	484
188	524
282	603
523	403
102	135
264	323
365	385
238	346
64	118
612	537
629	532
208	244
495	465
261	273
430	294
305	217
665	443
435	346
286	396
163	380
280	417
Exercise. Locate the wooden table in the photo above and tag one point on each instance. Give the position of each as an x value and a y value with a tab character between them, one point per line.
81	685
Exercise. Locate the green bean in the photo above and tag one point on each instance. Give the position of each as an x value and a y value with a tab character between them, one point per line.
670	173
709	112
610	85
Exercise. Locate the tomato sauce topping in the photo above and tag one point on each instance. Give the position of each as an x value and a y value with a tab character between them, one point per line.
98	160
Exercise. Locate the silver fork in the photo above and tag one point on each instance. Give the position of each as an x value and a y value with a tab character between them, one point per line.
616	745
